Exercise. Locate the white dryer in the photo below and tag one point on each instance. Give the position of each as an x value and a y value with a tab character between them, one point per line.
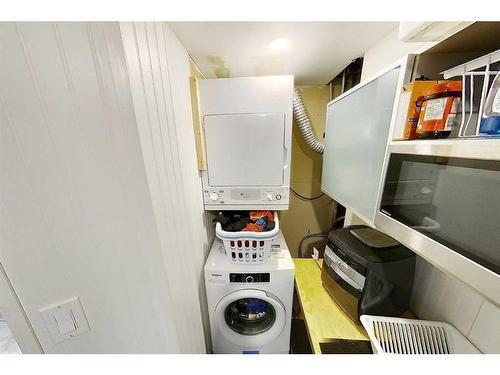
247	132
250	306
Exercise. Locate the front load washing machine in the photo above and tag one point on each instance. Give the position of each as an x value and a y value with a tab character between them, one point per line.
250	306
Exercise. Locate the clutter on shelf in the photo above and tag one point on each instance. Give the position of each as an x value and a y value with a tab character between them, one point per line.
438	109
490	122
428	109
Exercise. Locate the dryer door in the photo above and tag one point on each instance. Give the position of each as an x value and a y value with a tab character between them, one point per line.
250	317
245	149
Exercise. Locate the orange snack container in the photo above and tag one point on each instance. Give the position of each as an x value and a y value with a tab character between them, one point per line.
439	109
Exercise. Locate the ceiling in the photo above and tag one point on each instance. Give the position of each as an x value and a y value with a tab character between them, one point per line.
317	51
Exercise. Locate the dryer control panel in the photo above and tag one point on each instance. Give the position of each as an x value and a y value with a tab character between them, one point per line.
249	277
220	196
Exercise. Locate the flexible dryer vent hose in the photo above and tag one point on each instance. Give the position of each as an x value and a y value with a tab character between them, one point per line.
302	119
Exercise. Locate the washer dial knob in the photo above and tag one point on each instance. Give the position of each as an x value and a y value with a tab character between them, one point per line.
249	279
214	196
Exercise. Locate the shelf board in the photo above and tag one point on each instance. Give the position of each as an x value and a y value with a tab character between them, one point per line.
447	141
468	148
480	37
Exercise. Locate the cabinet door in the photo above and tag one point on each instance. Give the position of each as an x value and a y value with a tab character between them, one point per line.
358	124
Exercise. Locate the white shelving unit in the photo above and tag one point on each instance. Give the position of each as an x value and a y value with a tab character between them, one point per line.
477	68
468	145
472	65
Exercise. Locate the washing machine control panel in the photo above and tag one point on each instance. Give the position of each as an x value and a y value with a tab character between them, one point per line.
249	277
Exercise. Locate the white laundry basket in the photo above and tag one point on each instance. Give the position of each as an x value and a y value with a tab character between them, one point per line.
248	247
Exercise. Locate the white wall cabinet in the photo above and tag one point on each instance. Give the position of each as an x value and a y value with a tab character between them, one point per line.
359	123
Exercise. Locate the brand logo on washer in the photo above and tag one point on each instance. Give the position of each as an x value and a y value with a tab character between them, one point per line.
216	275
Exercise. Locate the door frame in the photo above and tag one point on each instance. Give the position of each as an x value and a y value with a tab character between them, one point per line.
16	318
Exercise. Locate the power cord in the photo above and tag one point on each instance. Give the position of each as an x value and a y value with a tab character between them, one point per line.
305	198
306	237
312	235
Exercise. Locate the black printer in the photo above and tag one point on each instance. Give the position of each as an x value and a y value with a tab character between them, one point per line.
367	272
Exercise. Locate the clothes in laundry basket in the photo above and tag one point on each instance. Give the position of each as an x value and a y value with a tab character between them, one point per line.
253	227
256	215
233	221
248	221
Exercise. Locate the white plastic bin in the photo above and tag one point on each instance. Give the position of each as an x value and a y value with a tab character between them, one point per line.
389	335
248	247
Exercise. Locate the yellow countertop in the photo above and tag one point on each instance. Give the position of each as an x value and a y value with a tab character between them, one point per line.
323	317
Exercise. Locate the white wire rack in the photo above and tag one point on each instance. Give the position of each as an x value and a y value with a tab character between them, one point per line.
480	67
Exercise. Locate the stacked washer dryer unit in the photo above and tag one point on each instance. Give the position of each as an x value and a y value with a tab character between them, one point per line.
247	126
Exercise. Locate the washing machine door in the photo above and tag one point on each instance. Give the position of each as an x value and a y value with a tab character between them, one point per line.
250	317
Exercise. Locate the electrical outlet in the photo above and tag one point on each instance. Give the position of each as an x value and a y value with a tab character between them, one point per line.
315	253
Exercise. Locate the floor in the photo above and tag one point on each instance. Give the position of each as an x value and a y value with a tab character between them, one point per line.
8	344
299	341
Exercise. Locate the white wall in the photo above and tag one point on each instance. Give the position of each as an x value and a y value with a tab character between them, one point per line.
387	51
437	295
78	213
159	72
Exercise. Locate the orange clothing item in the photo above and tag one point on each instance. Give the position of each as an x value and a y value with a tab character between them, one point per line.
251	227
256	215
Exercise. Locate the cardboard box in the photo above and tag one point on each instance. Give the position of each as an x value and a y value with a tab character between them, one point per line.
407	115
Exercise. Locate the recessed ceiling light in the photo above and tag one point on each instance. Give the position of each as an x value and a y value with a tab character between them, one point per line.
280	44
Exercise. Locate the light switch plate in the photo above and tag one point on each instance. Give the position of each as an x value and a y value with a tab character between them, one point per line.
65	319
